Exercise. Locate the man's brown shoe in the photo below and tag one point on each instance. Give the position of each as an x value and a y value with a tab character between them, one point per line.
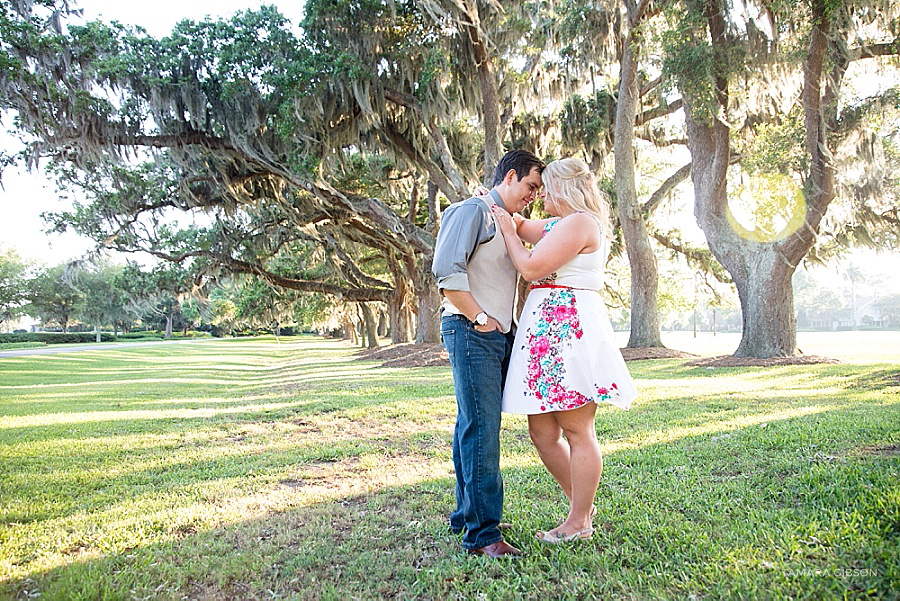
498	550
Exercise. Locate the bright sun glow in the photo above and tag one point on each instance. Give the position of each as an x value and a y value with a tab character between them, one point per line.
766	208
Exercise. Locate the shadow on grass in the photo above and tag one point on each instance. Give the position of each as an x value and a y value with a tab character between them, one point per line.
881	379
78	423
797	508
158	470
338	484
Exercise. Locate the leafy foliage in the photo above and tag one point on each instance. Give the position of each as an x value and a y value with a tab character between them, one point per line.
54	337
13	294
283	146
51	298
101	299
589	123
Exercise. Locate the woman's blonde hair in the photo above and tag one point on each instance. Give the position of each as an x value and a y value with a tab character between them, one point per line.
570	182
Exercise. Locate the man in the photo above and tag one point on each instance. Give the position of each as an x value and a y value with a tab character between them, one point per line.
478	282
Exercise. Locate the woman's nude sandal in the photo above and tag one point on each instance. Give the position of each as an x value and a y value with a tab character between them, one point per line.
555	538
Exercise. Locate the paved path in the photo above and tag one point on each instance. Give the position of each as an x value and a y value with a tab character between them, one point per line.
70	348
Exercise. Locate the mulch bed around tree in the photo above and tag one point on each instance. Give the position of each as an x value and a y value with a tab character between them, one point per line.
407	355
432	354
654	352
729	361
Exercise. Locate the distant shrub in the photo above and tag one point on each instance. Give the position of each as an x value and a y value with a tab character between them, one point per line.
154	335
193	334
141	336
56	338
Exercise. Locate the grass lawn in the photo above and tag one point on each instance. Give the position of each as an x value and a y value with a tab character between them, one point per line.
11	346
248	469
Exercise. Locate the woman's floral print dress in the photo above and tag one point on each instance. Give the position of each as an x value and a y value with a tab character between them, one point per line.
565	354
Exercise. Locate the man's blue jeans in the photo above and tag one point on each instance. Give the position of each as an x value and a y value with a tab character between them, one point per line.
479	361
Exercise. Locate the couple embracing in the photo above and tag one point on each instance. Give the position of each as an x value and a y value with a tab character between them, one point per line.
561	362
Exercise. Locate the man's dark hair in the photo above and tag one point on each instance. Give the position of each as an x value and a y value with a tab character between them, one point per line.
520	161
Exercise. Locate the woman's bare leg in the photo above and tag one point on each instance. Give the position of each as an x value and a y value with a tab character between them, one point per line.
546	434
586	465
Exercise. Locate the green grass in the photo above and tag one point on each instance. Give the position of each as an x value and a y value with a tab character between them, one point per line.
9	346
247	469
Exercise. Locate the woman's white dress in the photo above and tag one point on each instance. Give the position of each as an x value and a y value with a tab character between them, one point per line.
565	354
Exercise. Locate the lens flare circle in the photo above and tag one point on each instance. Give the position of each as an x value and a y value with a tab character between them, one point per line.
766	208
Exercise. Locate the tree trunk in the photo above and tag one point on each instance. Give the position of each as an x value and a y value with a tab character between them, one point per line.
428	316
761	271
97	331
428	320
350	331
169	319
644	275
490	103
491	115
428	309
400	315
360	326
401	330
767	307
369	326
382	324
694	319
413	209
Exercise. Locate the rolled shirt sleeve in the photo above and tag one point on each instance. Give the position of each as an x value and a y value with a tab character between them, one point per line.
463	227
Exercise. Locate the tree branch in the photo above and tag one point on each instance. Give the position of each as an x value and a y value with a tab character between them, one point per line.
490	107
437	176
821	168
349	267
650	86
662	143
437	137
701	257
638	13
351	294
657	197
188	138
657	112
874	50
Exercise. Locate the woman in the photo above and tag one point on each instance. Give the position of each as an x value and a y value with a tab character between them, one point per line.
565	359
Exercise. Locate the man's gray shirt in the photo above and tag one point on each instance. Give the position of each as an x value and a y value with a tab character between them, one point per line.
464	226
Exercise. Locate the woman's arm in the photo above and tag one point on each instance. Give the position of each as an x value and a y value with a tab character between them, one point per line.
531	230
568	238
